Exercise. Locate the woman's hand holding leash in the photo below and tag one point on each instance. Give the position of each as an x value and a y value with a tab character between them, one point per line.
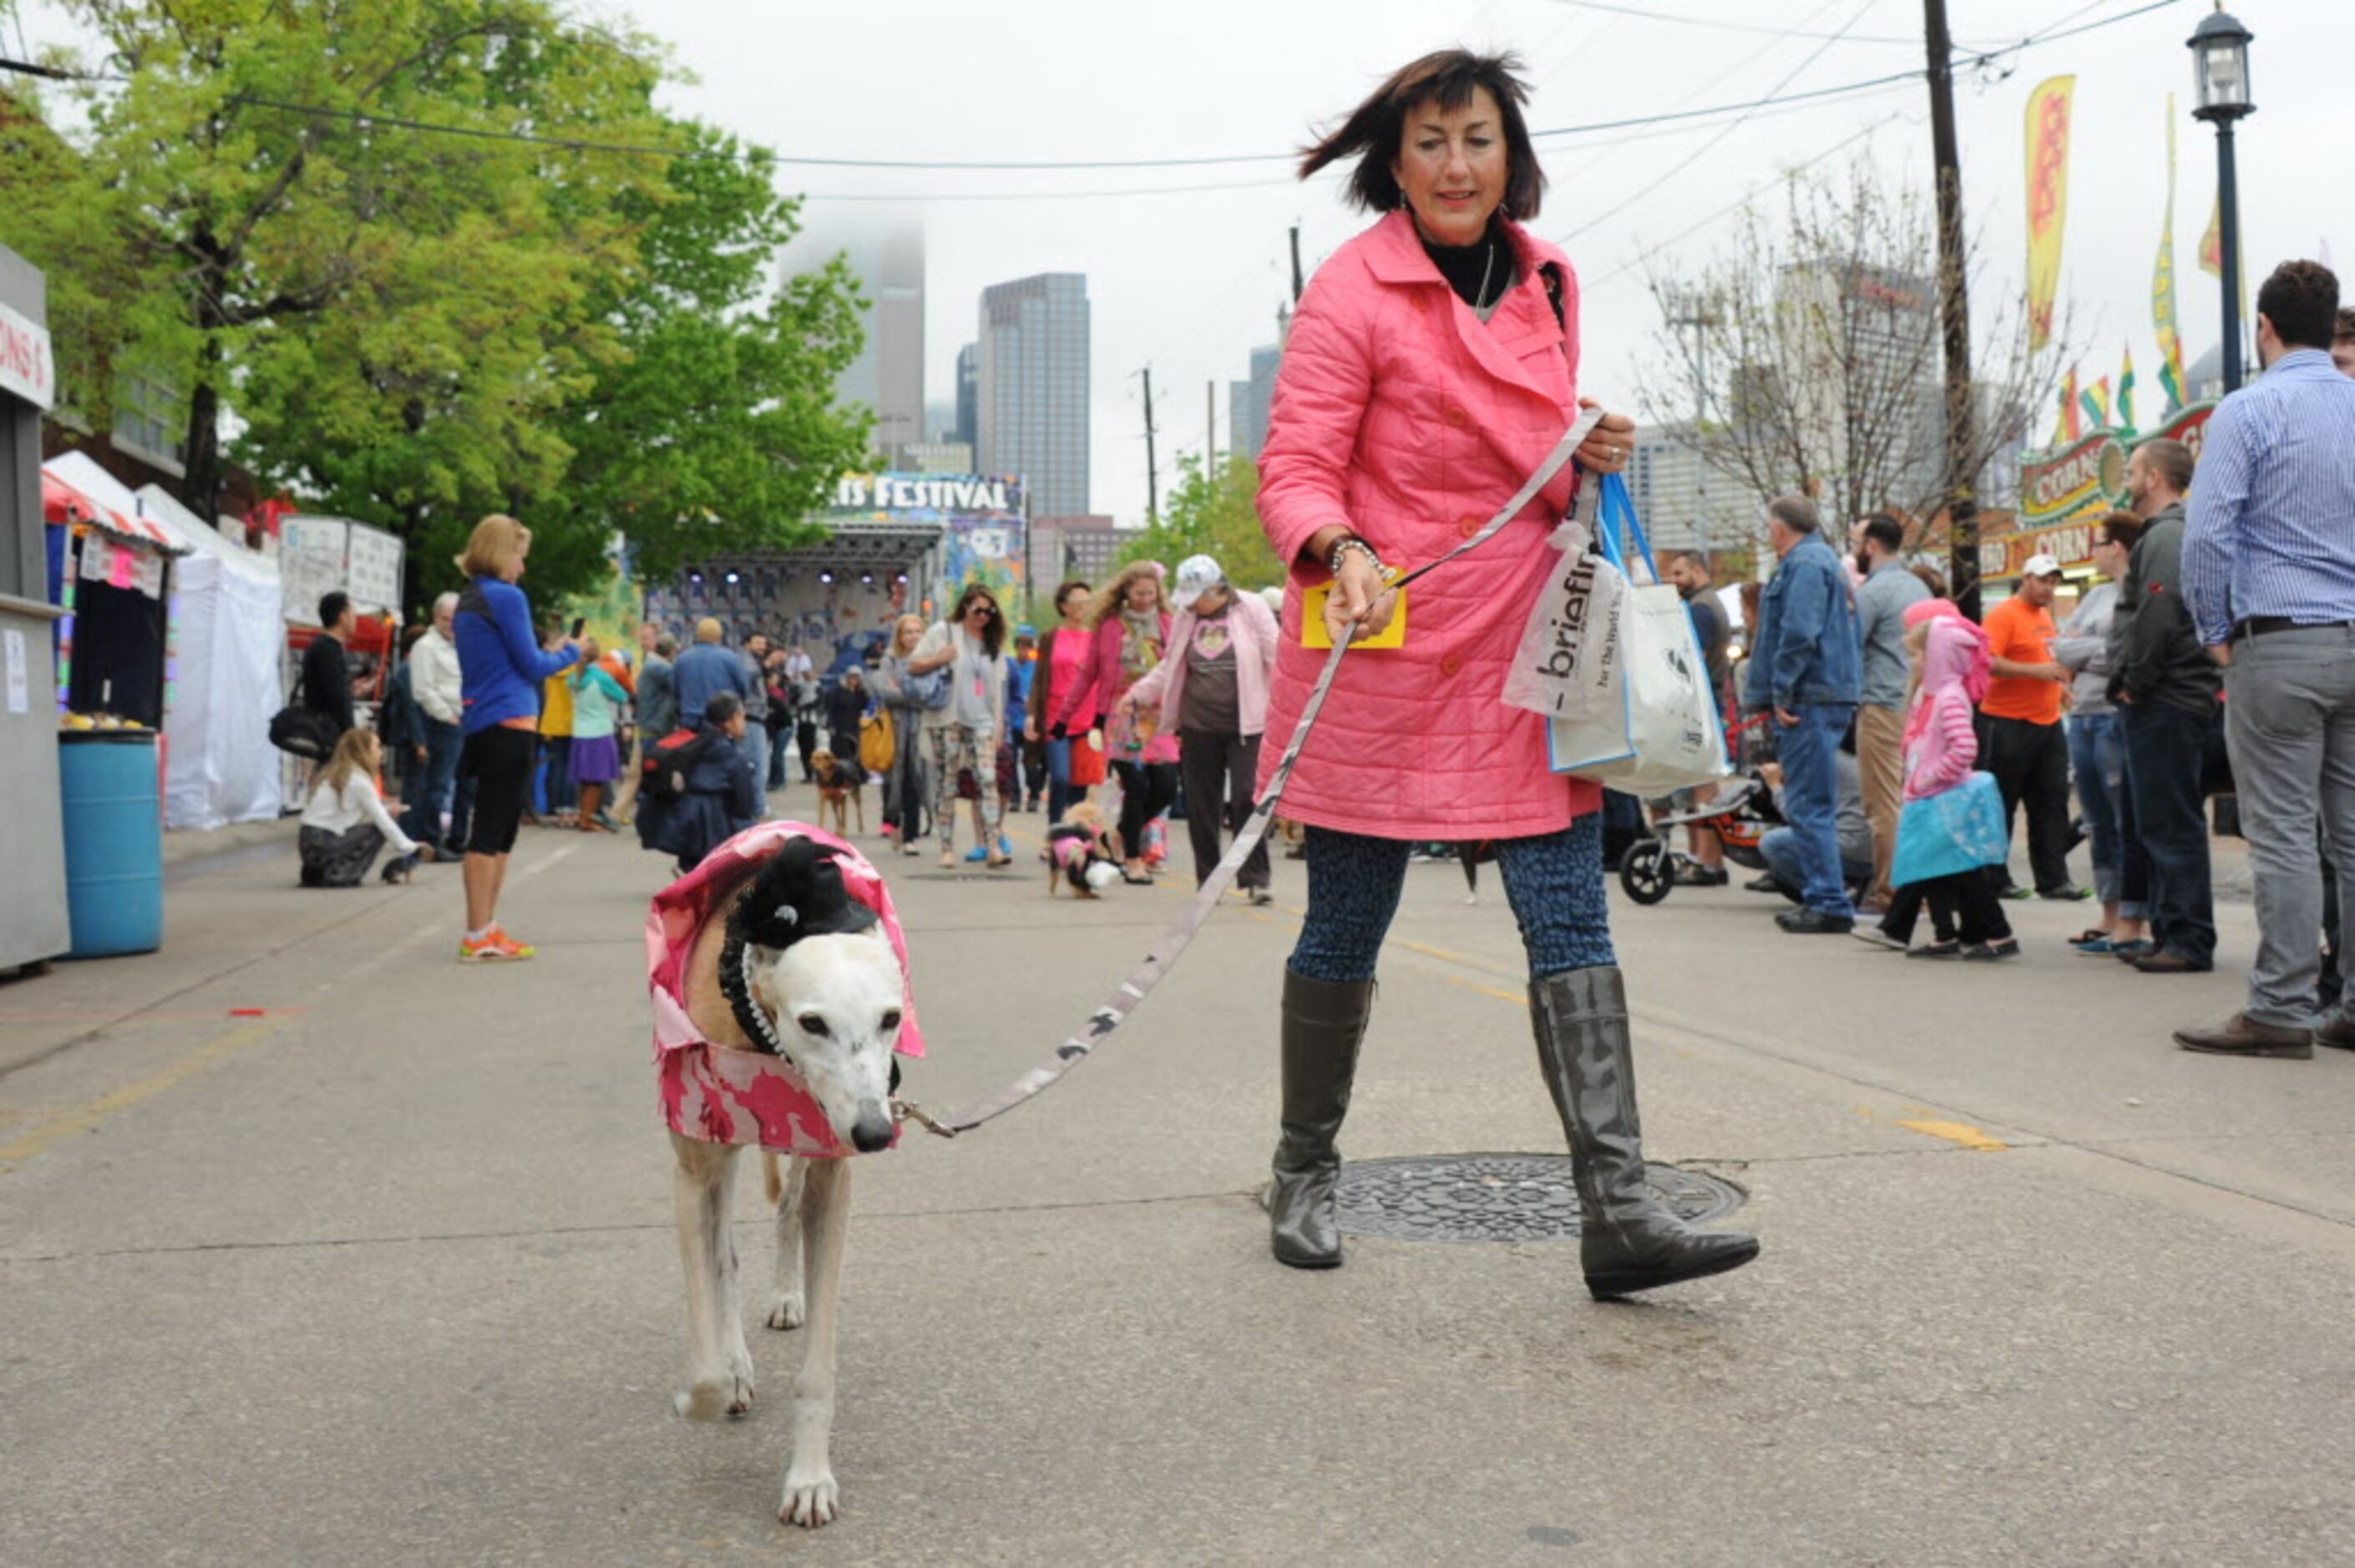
1362	600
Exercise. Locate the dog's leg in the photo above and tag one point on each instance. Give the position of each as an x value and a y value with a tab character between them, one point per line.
717	1382
786	1298
858	799
810	1494
731	1296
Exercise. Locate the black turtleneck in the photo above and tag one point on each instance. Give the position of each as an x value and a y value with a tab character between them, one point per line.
1463	265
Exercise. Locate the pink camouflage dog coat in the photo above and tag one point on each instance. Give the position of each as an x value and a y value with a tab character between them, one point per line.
717	1094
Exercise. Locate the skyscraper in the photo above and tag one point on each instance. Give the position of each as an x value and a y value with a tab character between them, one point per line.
886	251
1248	402
967	427
1031	388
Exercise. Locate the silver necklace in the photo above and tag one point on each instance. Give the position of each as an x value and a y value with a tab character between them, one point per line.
1480	300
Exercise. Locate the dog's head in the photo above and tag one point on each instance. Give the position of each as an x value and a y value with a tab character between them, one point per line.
822	763
812	977
1086	814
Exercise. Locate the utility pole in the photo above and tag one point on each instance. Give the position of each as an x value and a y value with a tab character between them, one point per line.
1695	311
1954	312
1152	475
1299	283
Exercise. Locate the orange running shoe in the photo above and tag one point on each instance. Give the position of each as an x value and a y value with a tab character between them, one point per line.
496	947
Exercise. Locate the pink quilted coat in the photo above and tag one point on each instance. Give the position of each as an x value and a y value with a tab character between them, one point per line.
1402	416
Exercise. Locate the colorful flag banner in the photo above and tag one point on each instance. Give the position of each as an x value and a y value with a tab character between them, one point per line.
2162	286
2126	391
2048	198
2096	402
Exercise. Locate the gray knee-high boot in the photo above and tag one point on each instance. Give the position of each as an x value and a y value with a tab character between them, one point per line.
1629	1240
1323	1025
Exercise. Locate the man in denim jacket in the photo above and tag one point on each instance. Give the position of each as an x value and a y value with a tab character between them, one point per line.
1806	667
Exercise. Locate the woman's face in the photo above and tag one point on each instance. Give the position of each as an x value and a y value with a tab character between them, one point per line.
1451	164
515	562
978	613
1143	591
2110	559
907	632
1074	605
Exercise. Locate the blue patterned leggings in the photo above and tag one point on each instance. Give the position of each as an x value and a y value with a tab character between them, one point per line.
1554	883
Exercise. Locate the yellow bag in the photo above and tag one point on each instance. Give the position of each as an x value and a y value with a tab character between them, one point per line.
877	745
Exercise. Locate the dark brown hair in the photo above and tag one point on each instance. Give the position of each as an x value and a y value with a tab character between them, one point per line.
2121	528
1931	577
992	636
1064	591
2301	299
2346	331
1375	129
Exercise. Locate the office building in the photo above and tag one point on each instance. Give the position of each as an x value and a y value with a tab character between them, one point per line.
1684	503
967	425
886	252
1248	402
1073	548
1031	388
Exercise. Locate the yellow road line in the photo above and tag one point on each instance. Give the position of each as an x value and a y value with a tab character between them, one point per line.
91	1113
1957	1132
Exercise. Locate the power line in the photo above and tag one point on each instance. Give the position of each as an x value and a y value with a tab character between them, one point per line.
581	144
1648	14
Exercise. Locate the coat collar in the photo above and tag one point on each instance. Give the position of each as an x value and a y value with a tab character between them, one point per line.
1522	323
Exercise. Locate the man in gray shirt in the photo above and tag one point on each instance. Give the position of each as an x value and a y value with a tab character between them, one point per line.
1881	603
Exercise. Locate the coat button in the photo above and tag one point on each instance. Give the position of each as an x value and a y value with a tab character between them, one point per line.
1449	663
1454	415
1419	302
1467	527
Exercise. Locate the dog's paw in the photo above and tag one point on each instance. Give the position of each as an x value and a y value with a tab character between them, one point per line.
786	1311
730	1396
810	1500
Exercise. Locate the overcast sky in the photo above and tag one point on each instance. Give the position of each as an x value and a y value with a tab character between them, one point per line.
1188	282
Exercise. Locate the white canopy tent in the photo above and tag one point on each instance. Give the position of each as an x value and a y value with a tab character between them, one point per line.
220	767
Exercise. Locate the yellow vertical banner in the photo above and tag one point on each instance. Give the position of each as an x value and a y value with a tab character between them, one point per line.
2162	285
2048	198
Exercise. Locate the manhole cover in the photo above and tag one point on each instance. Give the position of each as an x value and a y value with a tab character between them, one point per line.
1495	1197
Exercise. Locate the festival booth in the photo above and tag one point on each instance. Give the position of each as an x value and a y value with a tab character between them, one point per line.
2066	492
220	767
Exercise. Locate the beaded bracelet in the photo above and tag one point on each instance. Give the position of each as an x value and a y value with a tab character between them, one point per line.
1333	557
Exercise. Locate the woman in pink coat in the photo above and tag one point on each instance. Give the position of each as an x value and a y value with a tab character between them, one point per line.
1130	620
1431	367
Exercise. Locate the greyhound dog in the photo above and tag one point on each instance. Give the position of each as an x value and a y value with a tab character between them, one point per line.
795	998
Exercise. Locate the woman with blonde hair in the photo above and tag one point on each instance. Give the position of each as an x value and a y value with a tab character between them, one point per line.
597	700
1130	619
346	823
969	649
500	668
905	697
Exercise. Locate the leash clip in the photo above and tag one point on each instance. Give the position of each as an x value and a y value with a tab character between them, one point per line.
909	1110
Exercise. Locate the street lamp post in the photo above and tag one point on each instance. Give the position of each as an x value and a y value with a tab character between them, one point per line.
2220	55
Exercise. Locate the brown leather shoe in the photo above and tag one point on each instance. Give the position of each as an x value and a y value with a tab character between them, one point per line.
2163	962
2241	1036
2339	1032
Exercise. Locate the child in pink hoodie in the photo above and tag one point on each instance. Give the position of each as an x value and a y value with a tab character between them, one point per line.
1952	665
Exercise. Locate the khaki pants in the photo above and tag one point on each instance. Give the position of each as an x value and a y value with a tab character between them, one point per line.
1881	767
626	796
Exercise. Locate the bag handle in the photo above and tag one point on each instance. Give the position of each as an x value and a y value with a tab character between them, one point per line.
1615	512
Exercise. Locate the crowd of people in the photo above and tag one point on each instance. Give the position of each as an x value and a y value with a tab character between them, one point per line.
2214	653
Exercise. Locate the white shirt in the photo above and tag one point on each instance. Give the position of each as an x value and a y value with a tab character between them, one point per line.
977	681
433	678
358	802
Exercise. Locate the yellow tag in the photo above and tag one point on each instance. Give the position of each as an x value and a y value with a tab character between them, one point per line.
1312	622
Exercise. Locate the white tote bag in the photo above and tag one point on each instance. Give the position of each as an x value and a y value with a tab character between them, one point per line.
1660	731
1567	663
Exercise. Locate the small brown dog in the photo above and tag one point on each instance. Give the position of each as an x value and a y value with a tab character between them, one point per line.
1078	852
841	788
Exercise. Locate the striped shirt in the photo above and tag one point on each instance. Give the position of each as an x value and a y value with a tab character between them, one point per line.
2271	528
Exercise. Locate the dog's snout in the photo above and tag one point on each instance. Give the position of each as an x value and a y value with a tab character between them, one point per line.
872	1132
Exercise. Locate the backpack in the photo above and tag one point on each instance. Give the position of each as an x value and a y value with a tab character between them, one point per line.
671	761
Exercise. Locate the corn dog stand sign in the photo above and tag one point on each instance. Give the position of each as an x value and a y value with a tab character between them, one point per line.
2065	492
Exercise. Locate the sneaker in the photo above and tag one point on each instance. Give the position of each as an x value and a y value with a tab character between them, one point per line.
1873	936
496	947
1694	874
1935	950
1991	952
1261	898
2065	895
2127	952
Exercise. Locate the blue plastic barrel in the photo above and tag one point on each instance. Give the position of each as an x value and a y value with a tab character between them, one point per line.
114	840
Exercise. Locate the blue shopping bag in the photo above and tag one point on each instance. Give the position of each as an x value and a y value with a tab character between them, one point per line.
1960	830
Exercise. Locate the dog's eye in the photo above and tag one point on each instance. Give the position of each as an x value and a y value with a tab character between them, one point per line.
811	1023
890	1020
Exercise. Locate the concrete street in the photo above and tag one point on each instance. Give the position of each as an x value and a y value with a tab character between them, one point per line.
317	1247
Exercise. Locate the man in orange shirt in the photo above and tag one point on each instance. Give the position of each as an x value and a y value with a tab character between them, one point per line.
2021	738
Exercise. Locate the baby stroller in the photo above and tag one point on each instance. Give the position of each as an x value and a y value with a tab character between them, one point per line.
1742	811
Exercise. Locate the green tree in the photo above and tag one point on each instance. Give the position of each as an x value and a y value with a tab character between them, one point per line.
1214	515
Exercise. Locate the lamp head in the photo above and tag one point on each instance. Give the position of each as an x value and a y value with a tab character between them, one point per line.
2219	68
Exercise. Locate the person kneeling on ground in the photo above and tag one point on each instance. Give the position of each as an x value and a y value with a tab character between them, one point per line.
344	823
1779	847
722	797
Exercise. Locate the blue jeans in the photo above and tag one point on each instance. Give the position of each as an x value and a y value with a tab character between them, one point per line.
1554	883
1810	802
1059	794
423	820
779	739
556	779
2097	757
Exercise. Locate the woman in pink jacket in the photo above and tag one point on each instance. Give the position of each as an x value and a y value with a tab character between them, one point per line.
1130	619
1431	366
1941	744
1210	690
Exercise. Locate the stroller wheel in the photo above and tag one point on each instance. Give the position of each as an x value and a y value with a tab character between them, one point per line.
1647	870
